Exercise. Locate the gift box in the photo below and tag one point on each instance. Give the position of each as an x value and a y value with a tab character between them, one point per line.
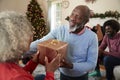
50	48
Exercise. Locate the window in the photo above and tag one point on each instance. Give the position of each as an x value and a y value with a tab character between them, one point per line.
55	14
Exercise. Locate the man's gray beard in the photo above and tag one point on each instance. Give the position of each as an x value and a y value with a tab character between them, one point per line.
73	29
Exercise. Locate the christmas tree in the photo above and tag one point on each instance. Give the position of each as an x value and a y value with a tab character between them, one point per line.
35	16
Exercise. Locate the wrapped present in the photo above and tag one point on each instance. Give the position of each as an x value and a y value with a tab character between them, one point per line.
50	48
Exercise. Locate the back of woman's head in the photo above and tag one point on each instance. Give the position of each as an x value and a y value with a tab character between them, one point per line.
115	25
15	33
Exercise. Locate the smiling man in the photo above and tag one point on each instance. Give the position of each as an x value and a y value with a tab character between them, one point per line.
82	52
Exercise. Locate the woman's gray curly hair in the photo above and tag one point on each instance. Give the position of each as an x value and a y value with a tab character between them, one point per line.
15	34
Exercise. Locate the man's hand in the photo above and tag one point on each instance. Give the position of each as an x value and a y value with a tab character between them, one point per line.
36	57
66	64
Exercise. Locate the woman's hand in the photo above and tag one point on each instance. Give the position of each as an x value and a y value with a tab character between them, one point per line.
53	65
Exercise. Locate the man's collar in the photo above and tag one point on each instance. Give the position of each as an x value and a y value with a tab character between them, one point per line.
82	31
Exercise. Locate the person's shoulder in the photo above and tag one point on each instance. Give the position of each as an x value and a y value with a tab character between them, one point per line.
63	27
118	34
60	29
90	31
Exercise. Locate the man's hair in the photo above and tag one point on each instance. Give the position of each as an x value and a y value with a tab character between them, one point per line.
15	33
113	24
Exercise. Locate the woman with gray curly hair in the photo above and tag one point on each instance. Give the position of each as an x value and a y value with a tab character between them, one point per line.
16	36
